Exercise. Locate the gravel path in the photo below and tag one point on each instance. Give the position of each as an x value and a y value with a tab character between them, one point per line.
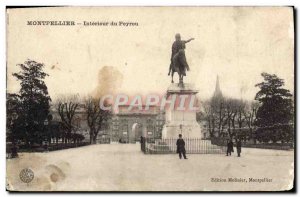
123	167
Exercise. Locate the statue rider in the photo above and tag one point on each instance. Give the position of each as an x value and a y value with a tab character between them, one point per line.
176	47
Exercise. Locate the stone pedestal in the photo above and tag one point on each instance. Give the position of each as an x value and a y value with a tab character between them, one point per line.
181	121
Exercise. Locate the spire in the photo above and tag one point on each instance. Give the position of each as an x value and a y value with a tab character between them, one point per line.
217	92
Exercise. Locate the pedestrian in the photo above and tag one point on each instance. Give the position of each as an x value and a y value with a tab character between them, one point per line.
181	147
229	147
239	147
142	141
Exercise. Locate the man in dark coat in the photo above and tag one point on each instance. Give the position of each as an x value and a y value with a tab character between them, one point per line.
239	147
181	147
142	141
229	147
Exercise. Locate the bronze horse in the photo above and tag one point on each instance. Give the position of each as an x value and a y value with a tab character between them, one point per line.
179	65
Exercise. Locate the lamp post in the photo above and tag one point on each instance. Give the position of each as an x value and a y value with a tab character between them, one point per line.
46	126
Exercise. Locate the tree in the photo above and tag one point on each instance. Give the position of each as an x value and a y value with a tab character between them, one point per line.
95	117
14	124
217	105
276	109
33	102
250	116
241	133
234	120
66	108
207	115
228	117
12	111
230	113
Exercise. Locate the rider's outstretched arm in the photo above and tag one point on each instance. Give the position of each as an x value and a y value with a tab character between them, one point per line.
189	40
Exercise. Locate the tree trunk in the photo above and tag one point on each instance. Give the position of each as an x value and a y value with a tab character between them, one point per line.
91	138
94	139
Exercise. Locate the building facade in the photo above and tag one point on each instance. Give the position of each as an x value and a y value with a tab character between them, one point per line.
126	126
129	125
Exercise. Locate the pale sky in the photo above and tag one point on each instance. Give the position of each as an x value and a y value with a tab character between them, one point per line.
235	43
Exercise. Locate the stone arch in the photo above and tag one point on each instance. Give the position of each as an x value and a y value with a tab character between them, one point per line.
137	130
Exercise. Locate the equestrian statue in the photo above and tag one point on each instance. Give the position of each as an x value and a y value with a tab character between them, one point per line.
178	59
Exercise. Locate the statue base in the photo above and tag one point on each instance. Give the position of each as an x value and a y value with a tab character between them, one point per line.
181	121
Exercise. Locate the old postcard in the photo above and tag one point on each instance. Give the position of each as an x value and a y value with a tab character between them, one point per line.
150	99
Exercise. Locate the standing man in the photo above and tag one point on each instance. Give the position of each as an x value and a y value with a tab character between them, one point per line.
181	147
142	143
229	147
239	147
